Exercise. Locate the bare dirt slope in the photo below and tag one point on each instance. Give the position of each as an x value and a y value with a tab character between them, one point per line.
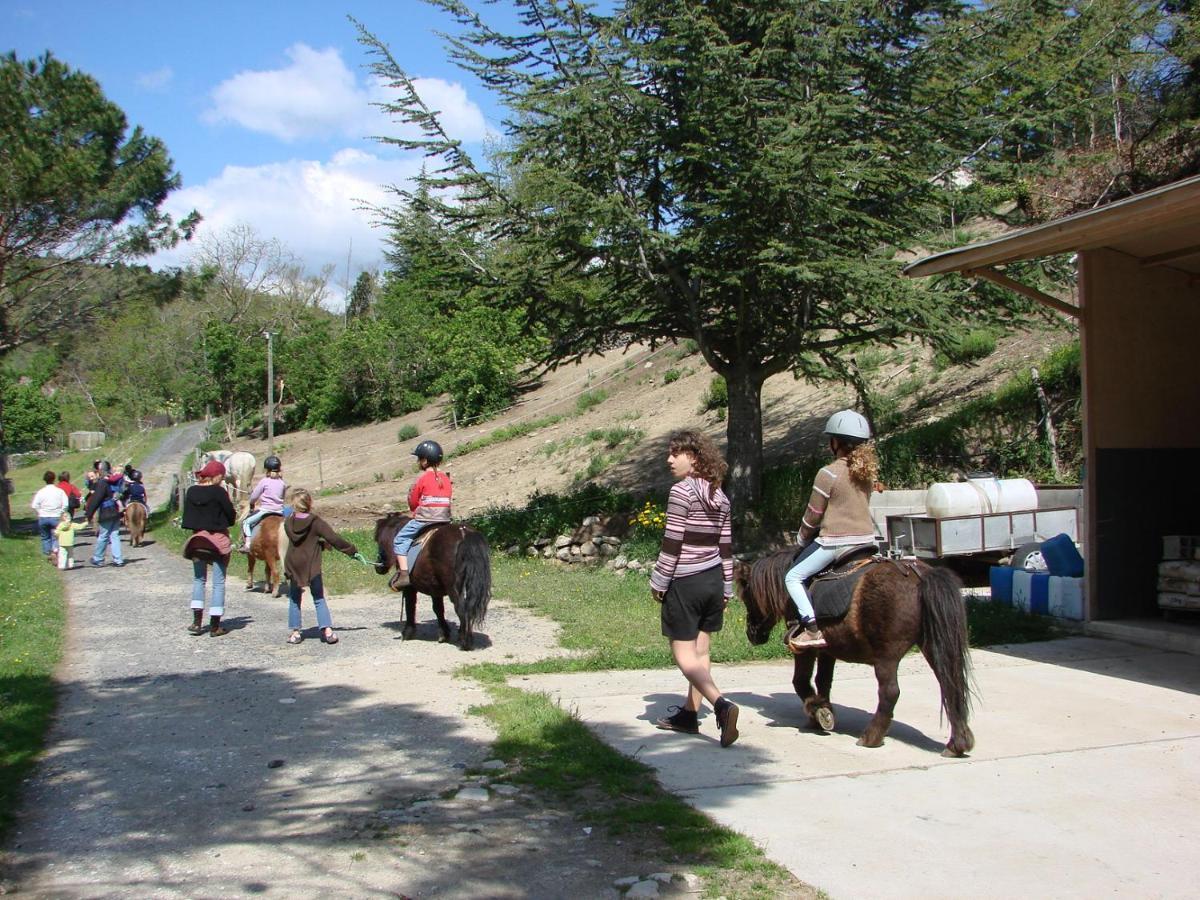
365	470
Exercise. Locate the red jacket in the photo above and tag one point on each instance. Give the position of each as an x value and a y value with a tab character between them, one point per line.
70	489
429	498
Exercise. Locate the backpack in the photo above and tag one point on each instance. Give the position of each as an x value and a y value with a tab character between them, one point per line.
110	506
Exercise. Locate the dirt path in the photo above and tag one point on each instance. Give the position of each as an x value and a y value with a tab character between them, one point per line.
183	766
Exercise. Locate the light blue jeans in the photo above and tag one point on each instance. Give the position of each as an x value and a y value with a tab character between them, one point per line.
812	562
108	533
295	594
404	537
216	606
252	520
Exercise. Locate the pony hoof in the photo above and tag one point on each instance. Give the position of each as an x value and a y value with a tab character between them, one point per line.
408	633
825	719
443	638
871	745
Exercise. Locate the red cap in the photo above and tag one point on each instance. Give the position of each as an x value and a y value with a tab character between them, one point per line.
211	468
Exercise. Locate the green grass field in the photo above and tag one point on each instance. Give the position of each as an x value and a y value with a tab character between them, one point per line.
32	617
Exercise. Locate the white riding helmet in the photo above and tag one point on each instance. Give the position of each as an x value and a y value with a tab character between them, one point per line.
848	424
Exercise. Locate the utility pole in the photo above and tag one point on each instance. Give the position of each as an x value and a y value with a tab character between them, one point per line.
270	391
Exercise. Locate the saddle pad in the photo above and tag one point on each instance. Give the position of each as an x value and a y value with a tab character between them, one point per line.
831	592
414	549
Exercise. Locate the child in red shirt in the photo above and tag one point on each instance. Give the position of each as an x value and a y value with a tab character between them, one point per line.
428	501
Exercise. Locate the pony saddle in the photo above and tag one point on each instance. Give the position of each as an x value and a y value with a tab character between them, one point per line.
427	531
832	590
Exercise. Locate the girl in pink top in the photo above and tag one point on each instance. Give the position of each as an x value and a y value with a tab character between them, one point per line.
268	495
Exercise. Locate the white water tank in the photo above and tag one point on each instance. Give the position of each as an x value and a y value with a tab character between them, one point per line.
980	495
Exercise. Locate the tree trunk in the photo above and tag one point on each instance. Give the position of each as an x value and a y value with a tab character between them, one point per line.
745	452
5	482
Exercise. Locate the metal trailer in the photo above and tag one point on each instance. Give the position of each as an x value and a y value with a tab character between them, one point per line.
995	534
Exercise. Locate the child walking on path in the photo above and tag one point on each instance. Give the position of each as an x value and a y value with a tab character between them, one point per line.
306	531
693	577
428	501
65	533
208	514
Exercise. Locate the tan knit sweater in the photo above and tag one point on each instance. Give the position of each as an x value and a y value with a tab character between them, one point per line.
839	511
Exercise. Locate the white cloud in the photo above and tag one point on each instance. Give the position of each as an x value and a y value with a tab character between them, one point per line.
157	81
318	96
312	207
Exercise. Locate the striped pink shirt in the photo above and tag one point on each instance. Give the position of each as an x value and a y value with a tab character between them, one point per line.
698	534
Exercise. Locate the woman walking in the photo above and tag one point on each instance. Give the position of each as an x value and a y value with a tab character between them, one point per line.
50	502
693	577
208	514
306	533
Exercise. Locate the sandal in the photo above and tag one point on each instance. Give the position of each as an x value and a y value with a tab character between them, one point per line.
329	636
295	637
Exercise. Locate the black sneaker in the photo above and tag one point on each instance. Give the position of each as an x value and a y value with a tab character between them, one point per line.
683	720
727	716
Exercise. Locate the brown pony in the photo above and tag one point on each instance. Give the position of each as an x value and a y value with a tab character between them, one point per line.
270	545
135	521
895	605
455	561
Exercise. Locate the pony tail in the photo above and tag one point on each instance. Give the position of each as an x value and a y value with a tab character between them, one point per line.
863	464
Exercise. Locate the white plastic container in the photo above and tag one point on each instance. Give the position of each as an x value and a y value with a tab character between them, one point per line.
980	496
1066	597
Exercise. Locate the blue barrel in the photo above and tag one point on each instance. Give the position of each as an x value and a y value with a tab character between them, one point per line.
1039	594
1062	557
1001	579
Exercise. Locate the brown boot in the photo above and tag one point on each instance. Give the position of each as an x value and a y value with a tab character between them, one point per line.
399	581
810	638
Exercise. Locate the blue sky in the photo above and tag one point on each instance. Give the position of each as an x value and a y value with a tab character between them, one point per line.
264	106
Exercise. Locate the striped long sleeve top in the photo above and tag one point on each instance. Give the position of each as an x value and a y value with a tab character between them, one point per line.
698	534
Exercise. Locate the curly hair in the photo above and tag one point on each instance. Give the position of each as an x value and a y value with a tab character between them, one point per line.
302	500
863	464
708	462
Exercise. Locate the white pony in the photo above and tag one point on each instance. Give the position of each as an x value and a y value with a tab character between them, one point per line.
239	475
239	479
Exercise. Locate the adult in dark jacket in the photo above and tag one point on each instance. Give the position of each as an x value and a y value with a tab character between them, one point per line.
209	514
307	533
104	507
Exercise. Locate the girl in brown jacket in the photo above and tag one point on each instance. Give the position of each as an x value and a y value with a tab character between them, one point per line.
307	534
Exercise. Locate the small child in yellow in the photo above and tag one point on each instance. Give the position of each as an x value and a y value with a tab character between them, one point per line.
64	533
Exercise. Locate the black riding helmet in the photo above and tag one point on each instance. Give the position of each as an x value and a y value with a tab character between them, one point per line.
136	475
430	451
272	464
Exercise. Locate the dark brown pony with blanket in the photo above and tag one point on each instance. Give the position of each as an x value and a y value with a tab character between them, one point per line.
454	561
895	604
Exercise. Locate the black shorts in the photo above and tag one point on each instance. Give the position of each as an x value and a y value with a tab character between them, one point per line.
693	604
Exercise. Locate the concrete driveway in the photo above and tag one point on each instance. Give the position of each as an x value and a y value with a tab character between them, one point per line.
1085	780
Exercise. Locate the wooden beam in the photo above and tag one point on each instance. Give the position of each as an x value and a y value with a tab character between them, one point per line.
1182	253
1045	299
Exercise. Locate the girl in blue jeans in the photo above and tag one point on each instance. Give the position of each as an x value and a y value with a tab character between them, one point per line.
307	533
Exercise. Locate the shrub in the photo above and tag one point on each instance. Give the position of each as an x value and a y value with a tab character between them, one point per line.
786	490
974	345
671	376
31	419
407	433
588	399
506	433
546	515
717	395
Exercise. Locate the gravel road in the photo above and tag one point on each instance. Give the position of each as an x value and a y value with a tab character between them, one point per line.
183	766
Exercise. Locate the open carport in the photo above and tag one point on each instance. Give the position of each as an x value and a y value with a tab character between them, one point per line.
1139	316
1083	782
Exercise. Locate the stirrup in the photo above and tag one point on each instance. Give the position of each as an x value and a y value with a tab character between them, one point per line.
399	581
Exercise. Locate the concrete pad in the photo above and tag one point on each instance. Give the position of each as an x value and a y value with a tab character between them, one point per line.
1085	779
